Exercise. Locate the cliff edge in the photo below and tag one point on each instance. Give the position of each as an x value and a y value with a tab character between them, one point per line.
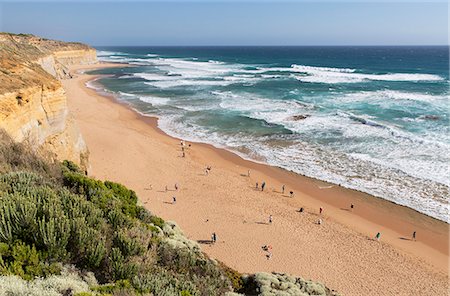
33	105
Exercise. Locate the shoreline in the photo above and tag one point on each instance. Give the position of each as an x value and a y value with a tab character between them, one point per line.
371	214
153	121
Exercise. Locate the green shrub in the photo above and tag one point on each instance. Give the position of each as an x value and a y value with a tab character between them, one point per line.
157	221
71	166
234	276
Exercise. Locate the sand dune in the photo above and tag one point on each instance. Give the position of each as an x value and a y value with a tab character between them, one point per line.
128	148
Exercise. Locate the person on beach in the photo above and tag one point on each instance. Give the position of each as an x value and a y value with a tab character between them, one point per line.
352	206
174	200
301	210
291	194
248	173
282	189
176	186
414	236
183	155
270	219
320	210
263	184
269	255
214	238
319	222
377	237
206	171
150	187
165	188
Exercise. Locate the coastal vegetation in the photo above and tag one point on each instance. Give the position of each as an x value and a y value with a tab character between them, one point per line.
64	233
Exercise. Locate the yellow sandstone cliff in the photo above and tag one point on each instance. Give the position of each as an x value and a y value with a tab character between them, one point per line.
33	104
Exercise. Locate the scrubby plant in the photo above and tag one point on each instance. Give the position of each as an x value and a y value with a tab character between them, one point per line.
268	284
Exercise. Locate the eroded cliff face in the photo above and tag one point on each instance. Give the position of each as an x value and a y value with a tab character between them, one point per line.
33	105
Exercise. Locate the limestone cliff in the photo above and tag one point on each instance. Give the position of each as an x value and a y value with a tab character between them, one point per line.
33	104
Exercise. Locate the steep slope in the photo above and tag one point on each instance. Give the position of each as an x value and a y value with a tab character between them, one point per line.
33	104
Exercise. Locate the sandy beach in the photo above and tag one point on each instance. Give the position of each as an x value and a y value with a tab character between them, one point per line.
341	252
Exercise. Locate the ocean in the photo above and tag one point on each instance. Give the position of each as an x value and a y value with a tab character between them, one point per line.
374	119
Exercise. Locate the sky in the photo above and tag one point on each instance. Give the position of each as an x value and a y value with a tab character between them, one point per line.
225	22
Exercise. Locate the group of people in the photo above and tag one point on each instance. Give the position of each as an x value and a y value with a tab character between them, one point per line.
268	250
183	148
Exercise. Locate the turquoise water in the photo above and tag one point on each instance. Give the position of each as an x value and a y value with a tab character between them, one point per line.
373	119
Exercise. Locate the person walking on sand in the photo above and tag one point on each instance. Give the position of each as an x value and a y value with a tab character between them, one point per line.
206	172
377	237
214	238
414	236
174	200
270	219
248	173
291	194
176	186
263	184
320	210
352	206
301	210
319	222
282	189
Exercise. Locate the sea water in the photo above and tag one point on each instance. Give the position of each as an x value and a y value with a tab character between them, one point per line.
374	119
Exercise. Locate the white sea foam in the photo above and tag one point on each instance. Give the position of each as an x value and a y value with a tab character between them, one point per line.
216	62
155	101
311	69
152	55
104	53
154	76
186	82
191	69
338	75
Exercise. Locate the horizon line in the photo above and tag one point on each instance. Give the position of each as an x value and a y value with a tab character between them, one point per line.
312	45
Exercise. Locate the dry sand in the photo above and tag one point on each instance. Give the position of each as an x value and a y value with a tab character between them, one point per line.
129	148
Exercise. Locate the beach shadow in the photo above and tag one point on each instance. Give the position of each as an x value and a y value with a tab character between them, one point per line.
262	223
345	209
244	175
284	195
167	202
205	242
405	238
163	191
276	191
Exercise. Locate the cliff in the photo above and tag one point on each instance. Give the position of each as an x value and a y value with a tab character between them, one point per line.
33	104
